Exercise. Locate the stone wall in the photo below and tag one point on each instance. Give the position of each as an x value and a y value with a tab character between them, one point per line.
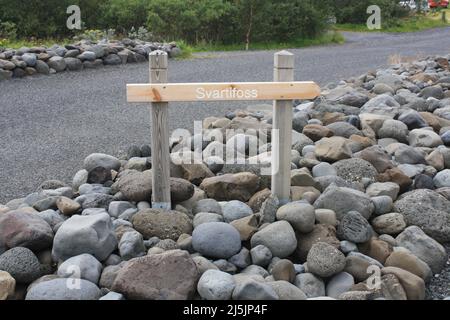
82	55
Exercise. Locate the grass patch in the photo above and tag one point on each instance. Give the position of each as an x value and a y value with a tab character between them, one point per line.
410	24
330	37
16	44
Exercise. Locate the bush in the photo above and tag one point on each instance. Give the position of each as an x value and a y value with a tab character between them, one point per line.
123	15
235	21
8	30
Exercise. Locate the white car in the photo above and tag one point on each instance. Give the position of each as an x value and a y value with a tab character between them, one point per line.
412	4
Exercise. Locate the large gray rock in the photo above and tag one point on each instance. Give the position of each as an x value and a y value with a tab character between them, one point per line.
254	290
261	255
95	200
343	129
21	264
83	266
234	210
131	245
57	63
112	59
30	59
342	200
216	240
216	285
279	237
171	275
424	247
393	129
101	160
137	186
85	234
424	138
299	214
428	210
287	291
325	260
207	205
64	289
340	283
205	217
442	179
73	64
310	284
22	229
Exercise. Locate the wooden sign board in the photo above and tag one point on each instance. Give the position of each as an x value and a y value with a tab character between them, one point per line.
282	91
239	91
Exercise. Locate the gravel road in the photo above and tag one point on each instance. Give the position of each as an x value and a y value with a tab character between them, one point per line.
48	125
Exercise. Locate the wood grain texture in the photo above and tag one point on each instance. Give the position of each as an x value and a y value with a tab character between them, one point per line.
282	121
238	91
160	136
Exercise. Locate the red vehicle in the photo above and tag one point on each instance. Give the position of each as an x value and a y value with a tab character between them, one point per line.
438	3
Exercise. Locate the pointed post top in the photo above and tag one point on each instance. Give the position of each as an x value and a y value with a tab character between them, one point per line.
158	59
284	60
158	53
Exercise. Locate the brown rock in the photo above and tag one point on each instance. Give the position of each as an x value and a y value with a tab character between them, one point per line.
195	173
121	230
442	62
377	156
409	262
162	224
377	249
331	117
284	270
316	132
414	286
171	275
424	77
299	193
397	176
67	206
246	226
434	121
22	229
357	267
320	233
333	149
258	199
390	223
364	142
7	285
240	186
301	179
391	288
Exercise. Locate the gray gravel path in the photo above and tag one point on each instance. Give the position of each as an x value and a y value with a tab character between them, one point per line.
49	124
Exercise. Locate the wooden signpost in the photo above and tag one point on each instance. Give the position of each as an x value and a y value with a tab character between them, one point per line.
159	93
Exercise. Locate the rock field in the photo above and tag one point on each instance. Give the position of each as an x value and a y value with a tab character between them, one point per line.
369	216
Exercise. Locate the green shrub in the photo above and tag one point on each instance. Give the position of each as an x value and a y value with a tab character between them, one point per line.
8	30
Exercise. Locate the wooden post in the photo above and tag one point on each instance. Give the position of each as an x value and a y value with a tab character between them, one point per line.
282	121
160	136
